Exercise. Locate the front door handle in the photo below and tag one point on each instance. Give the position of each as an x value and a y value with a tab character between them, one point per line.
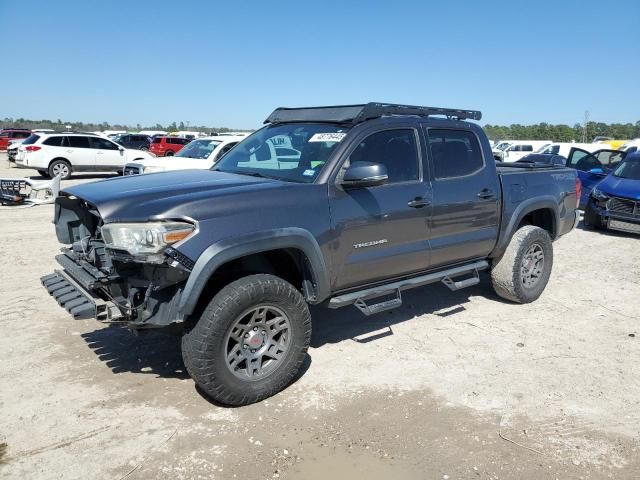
418	202
486	194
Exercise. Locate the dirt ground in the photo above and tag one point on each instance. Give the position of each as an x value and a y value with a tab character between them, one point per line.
453	385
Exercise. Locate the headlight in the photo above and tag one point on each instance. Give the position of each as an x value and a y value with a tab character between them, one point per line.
145	240
153	169
599	195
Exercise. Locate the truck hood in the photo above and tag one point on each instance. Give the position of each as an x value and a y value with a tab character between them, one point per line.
620	187
176	194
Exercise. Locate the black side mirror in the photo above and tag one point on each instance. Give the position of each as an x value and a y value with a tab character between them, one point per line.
365	174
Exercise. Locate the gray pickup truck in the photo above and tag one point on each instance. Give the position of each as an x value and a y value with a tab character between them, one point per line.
343	205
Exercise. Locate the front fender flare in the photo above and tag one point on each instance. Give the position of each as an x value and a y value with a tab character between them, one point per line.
236	247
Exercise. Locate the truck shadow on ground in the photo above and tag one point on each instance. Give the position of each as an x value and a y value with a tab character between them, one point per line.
158	352
333	326
155	352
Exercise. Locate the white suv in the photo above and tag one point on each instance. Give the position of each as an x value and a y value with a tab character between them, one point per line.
61	154
201	154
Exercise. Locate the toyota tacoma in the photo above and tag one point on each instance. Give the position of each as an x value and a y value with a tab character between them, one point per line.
364	202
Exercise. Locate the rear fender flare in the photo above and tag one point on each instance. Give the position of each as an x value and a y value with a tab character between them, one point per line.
229	249
546	202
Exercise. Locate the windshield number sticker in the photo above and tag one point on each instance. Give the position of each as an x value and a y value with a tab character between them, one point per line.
327	137
309	173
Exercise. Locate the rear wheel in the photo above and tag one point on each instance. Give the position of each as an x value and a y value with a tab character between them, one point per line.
524	270
169	153
60	168
250	341
144	148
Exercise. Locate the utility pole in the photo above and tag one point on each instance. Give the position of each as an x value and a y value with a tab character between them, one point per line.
585	127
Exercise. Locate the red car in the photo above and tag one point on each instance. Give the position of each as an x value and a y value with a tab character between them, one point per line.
167	146
9	134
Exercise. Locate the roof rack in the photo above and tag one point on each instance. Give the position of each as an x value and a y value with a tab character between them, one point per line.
353	114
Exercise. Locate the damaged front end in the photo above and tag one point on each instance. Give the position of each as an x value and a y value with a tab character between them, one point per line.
24	191
126	272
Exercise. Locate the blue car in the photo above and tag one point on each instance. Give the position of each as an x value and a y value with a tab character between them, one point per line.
592	167
614	203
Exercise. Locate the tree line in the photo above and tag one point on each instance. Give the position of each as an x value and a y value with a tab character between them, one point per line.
539	131
564	133
61	125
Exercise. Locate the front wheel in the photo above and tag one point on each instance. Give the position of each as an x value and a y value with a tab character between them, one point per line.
169	153
524	270
249	342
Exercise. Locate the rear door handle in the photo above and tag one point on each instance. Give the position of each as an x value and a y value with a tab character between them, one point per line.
418	202
486	194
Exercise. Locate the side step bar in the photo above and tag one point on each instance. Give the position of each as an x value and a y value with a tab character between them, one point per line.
445	276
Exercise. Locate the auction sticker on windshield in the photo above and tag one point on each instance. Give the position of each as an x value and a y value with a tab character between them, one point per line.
327	137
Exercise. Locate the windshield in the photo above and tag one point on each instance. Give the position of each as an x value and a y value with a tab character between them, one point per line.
293	152
630	168
199	149
502	145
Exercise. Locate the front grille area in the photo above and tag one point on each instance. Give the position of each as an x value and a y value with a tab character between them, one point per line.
132	171
14	190
624	207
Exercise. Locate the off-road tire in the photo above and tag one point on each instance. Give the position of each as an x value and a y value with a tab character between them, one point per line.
58	162
204	343
591	219
506	274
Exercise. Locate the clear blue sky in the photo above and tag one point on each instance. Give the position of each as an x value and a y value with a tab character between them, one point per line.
229	64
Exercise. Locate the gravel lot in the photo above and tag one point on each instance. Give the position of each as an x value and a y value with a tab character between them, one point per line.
452	385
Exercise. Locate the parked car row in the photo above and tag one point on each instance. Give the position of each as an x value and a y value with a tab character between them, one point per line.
201	153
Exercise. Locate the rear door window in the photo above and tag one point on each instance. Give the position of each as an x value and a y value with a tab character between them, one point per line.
53	141
454	153
79	142
102	144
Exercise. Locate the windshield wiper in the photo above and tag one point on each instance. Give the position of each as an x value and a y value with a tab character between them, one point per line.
250	174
